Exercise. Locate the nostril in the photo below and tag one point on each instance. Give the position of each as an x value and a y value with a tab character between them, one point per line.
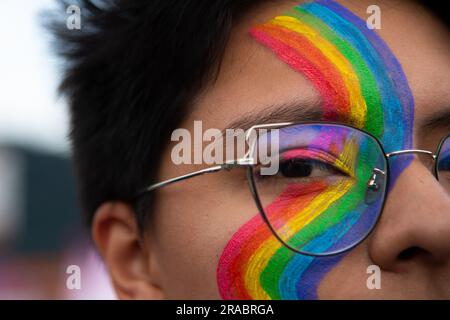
411	253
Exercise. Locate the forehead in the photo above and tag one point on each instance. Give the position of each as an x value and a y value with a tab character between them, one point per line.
252	77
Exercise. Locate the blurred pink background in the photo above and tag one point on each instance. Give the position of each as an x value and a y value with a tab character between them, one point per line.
41	230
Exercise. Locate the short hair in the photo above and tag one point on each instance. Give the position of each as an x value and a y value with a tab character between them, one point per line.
130	74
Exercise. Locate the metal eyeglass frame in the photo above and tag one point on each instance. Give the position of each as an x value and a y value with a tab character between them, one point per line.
247	162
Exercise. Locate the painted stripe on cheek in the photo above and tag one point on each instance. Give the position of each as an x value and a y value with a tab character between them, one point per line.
362	83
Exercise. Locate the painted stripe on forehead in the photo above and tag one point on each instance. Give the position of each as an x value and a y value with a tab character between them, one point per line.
359	80
288	50
391	65
396	96
315	65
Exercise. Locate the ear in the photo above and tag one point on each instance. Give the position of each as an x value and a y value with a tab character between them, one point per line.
130	262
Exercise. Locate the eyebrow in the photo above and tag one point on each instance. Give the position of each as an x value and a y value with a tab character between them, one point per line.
440	120
276	113
311	111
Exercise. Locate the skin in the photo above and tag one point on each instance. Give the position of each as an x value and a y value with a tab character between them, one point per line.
194	219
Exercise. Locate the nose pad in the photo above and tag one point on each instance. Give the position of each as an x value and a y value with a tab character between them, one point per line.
375	186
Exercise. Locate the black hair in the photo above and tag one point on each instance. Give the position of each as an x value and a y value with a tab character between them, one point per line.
131	73
439	9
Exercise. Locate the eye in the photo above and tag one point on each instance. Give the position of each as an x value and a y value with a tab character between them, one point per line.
303	164
296	168
306	168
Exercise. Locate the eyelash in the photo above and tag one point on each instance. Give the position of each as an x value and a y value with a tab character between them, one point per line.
316	164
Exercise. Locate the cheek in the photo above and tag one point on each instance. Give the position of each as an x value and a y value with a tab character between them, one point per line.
255	265
190	233
318	217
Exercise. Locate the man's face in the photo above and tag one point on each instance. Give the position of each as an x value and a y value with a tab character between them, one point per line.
201	228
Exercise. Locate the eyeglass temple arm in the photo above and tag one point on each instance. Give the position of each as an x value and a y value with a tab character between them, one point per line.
181	178
246	161
226	166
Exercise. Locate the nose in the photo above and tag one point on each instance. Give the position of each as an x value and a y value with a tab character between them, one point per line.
415	224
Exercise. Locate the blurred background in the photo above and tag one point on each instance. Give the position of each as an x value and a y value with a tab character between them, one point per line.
41	230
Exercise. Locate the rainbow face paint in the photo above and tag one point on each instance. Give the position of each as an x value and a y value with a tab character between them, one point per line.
361	83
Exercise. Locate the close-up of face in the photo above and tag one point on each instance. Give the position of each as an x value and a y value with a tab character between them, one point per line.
337	88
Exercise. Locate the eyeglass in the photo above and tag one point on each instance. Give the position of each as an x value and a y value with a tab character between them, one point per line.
330	187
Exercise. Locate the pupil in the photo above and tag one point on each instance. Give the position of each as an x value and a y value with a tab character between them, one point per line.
296	168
